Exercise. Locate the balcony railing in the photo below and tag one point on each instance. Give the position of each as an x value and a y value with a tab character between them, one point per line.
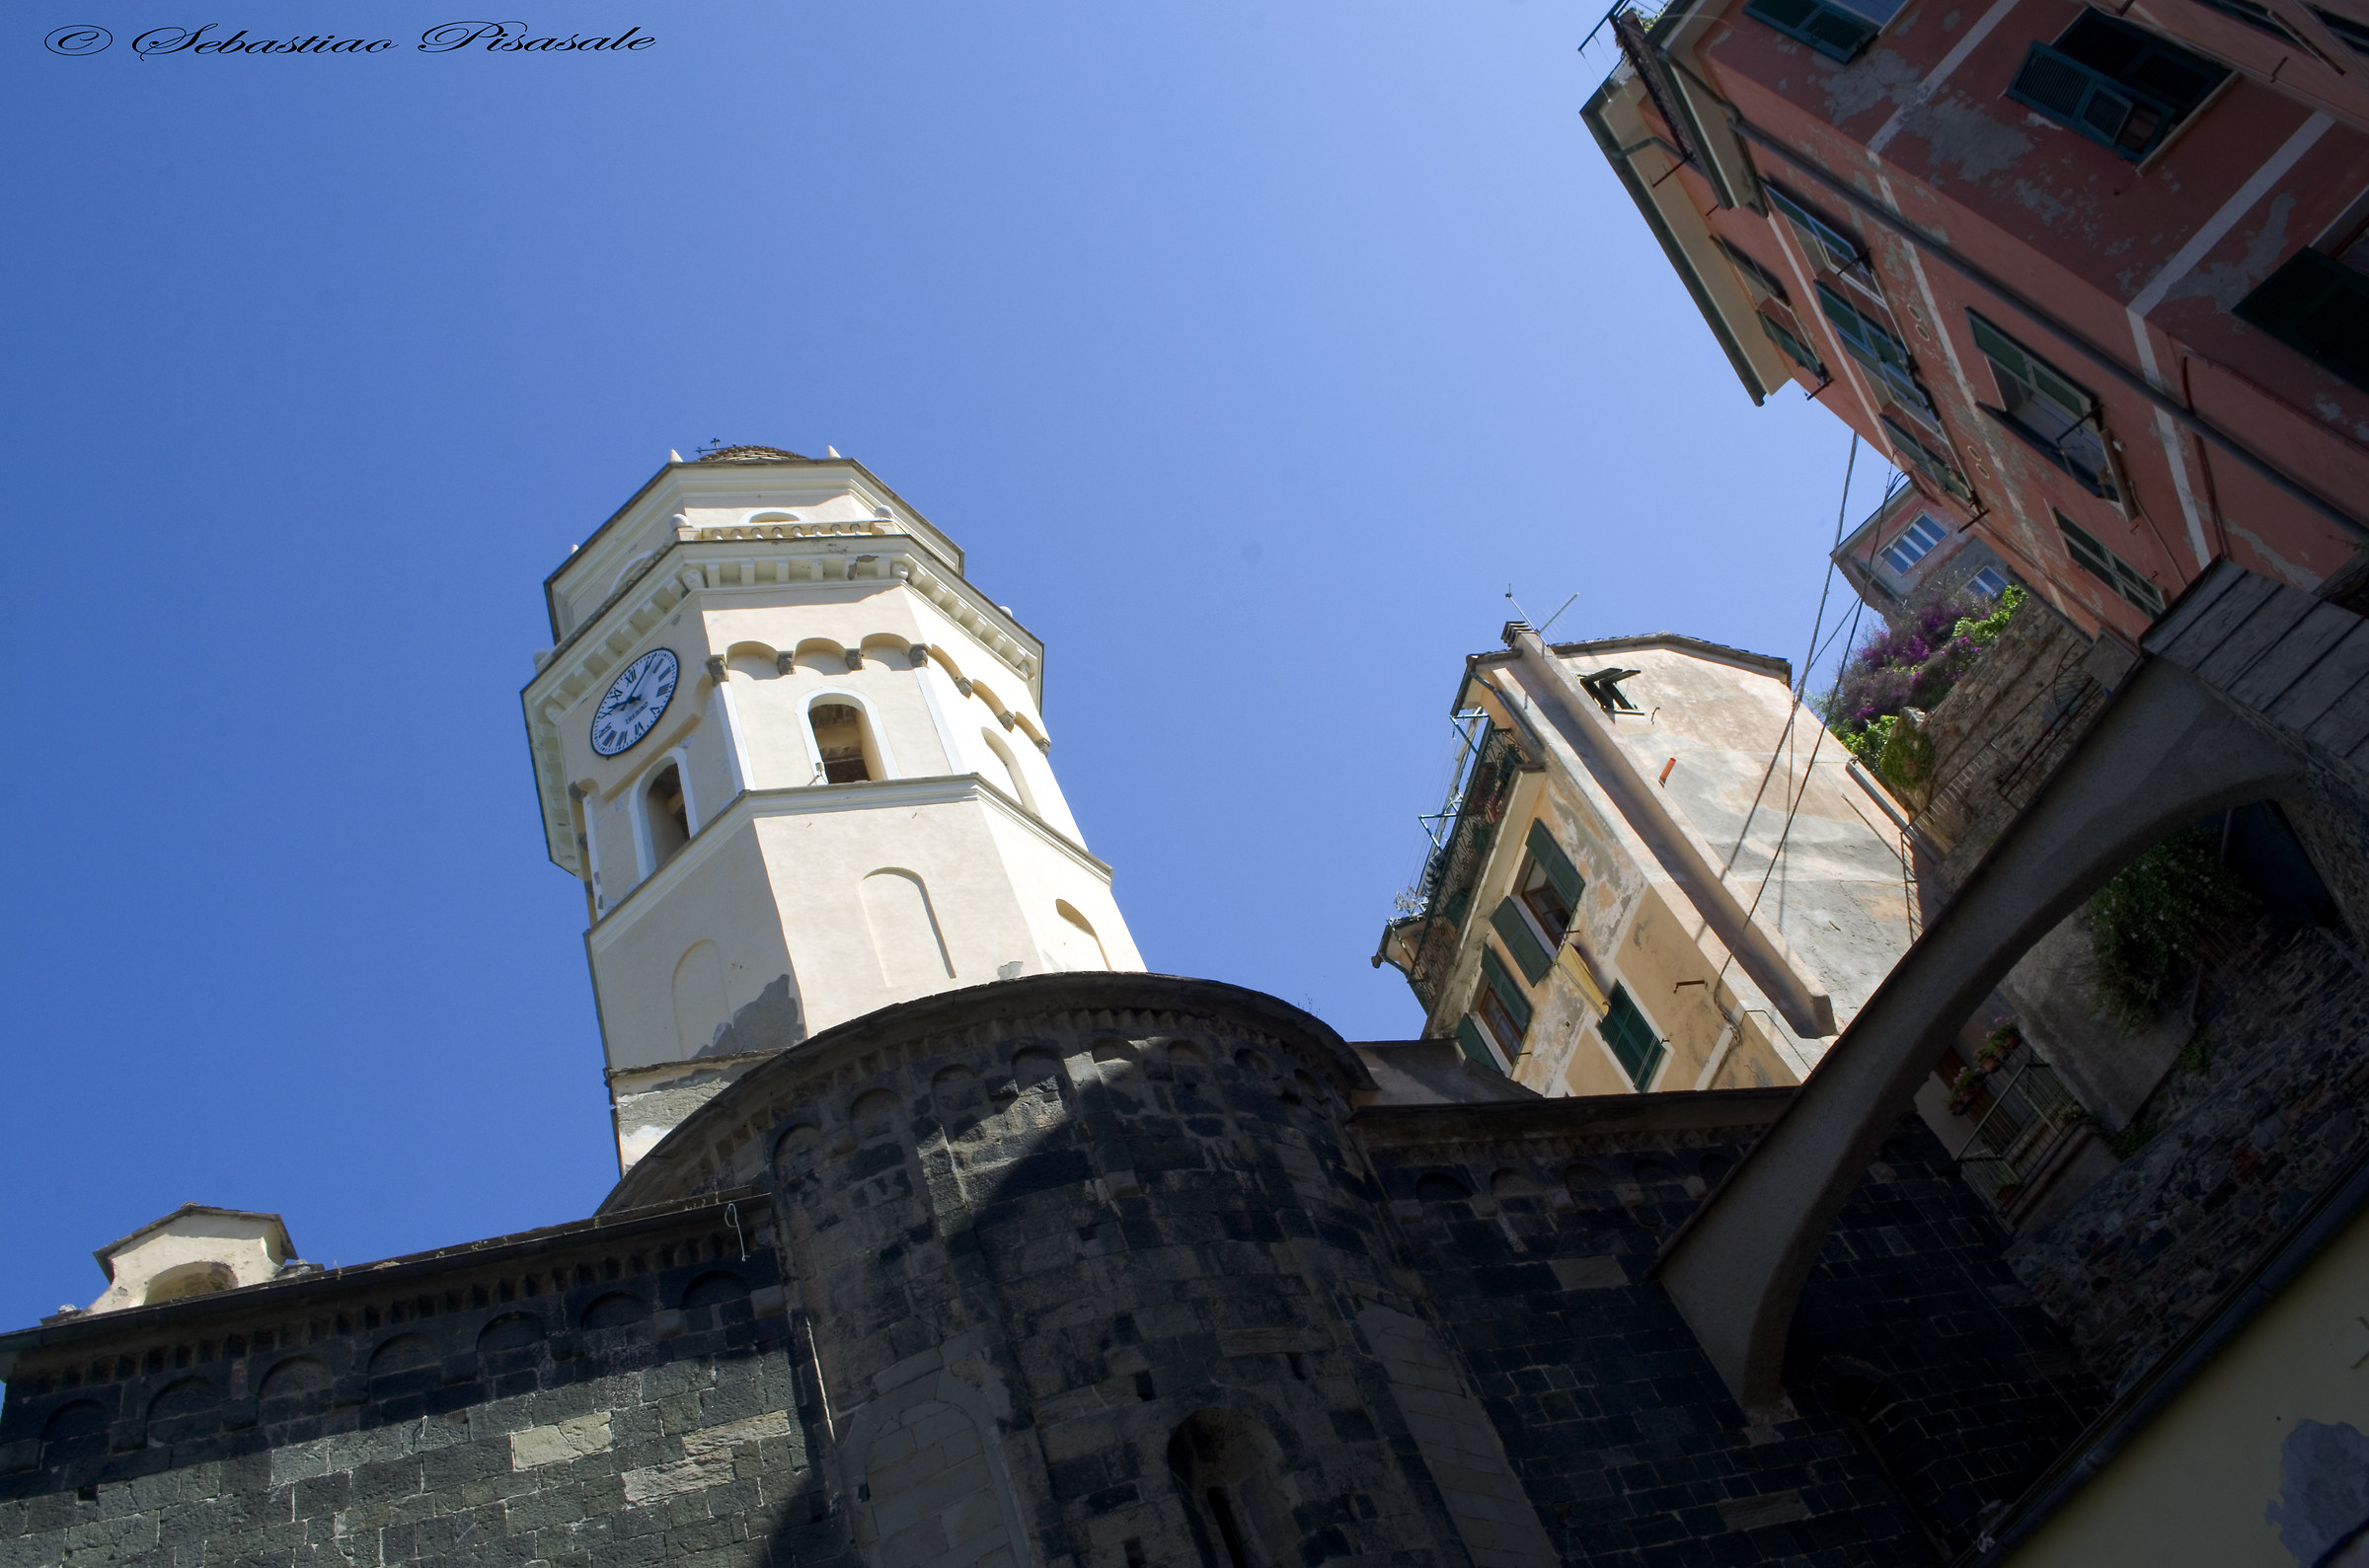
2020	1134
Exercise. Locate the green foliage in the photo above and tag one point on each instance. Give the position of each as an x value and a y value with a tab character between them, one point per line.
2148	924
1984	631
2196	1056
1910	666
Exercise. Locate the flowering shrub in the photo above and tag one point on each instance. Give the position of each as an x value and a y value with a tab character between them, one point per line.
1912	666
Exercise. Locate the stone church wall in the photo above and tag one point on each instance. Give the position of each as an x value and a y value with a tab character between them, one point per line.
1928	1388
614	1394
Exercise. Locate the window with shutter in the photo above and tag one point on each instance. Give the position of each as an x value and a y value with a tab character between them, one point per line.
1790	344
2319	307
2352	34
1469	1039
2108	568
2116	83
2057	418
1831	30
1875	345
1634	1042
1830	247
1550	884
1501	1006
1515	934
1935	466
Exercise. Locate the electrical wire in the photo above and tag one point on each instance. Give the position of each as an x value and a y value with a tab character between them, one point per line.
1784	741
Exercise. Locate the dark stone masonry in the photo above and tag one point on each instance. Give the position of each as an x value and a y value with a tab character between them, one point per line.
1073	1270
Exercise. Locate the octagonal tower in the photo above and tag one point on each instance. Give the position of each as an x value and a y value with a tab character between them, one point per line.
799	763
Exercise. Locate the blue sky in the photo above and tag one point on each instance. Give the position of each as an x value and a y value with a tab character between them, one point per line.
1252	350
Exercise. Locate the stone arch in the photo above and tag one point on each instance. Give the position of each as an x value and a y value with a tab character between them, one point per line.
1229	1469
400	1354
297	1385
1032	1064
2166	751
822	655
188	1279
715	1288
1439	1186
512	1331
872	1115
1511	1183
616	1309
927	1472
754	662
701	1008
905	937
959	1098
186	1408
75	1434
1012	780
797	1149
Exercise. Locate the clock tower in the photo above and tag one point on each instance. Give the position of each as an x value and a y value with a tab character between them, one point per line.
800	765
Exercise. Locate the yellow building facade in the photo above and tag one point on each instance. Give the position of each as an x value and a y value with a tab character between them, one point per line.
1655	871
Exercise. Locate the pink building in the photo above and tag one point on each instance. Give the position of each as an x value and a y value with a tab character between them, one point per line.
2098	281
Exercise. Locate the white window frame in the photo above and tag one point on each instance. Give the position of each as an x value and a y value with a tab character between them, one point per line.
637	803
872	723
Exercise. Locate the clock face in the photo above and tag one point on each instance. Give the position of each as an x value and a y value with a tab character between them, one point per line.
635	702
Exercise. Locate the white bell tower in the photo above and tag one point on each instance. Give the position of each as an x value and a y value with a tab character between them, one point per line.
799	763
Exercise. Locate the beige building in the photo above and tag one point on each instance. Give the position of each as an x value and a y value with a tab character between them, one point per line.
1655	871
799	763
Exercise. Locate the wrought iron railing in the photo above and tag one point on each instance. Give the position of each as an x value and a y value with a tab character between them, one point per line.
2028	1118
1460	849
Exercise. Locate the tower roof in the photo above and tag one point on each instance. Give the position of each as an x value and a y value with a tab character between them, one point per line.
751	454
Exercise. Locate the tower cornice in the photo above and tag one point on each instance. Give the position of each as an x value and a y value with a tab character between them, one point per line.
769	557
711	479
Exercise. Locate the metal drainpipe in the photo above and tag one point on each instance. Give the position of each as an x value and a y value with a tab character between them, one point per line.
2204	429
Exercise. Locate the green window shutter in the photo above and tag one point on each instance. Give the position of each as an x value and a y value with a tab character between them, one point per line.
2319	307
1468	1035
1835	33
1561	872
1794	348
1633	1040
2001	347
1507	919
1517	1001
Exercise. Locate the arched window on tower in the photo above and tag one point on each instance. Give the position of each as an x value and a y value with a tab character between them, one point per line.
1227	1468
844	740
668	814
1011	778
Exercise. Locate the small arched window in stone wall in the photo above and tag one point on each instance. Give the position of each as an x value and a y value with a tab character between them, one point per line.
714	1288
186	1409
1035	1065
1187	1062
668	813
1436	1187
1514	1184
796	1151
617	1309
295	1387
73	1431
959	1098
1229	1470
873	1116
510	1333
403	1359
